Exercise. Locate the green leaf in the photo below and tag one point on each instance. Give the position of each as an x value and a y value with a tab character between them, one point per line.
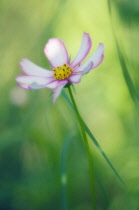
94	140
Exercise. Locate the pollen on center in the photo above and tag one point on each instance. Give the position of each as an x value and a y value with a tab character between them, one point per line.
62	72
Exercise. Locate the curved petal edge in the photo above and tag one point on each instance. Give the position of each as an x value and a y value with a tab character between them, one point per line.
83	51
56	52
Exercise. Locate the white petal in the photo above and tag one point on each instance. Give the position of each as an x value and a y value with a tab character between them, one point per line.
75	78
33	82
29	68
98	56
35	86
88	68
56	52
83	51
85	70
58	89
96	59
52	85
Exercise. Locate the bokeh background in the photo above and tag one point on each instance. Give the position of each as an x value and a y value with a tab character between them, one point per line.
38	139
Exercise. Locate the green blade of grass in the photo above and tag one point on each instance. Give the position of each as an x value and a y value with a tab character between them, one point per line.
128	80
101	151
130	85
94	140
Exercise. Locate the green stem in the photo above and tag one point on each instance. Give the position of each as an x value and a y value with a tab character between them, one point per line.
87	148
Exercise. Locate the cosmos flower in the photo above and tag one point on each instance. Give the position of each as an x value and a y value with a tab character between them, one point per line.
64	72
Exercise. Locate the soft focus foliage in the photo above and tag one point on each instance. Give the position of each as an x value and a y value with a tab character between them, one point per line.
33	130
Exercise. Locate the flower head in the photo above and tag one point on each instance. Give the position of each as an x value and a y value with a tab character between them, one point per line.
64	71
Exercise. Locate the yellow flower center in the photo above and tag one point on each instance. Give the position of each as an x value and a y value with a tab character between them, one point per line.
62	72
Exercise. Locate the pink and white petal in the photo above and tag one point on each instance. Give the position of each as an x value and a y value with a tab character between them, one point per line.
23	86
29	68
58	89
32	82
96	59
35	86
56	52
86	69
98	56
52	85
75	78
83	51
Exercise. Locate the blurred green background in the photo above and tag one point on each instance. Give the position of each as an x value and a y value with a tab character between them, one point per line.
33	130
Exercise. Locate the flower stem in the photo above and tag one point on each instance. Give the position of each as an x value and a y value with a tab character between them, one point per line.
87	148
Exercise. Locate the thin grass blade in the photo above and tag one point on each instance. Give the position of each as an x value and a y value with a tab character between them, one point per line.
130	84
94	140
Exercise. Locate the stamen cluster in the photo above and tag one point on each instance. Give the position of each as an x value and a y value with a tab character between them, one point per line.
62	72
